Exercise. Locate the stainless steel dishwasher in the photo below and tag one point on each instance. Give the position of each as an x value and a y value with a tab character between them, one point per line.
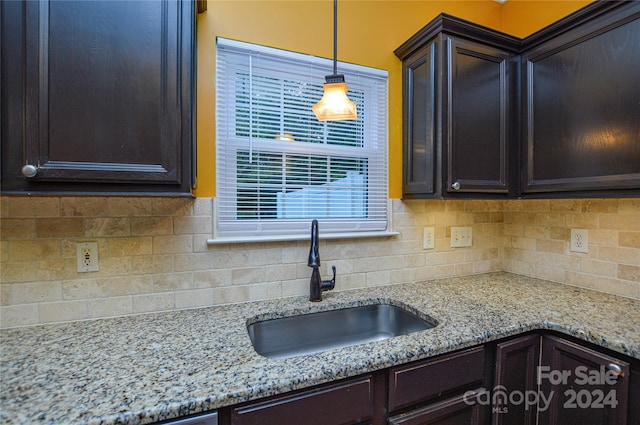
210	418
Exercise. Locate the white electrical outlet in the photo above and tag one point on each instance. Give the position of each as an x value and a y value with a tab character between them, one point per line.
579	240
429	238
461	237
87	256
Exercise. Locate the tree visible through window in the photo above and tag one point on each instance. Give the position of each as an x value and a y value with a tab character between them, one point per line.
278	167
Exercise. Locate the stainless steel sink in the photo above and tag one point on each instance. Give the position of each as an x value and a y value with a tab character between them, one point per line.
326	330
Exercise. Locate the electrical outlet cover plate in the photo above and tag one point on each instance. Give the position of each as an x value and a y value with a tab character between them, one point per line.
579	240
429	238
87	256
461	237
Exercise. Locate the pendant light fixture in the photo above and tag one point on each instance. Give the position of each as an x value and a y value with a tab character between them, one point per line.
335	105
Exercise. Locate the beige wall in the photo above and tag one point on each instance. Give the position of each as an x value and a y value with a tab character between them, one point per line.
153	254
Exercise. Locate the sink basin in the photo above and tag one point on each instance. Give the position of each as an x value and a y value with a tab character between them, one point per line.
326	330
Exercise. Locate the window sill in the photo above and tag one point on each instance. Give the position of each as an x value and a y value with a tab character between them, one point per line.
286	238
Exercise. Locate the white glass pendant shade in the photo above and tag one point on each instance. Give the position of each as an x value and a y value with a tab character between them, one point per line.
335	105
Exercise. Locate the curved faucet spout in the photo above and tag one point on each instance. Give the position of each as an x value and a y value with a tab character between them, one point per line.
314	256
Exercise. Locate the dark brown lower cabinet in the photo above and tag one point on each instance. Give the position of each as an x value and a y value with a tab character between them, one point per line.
516	363
585	387
440	390
538	378
549	380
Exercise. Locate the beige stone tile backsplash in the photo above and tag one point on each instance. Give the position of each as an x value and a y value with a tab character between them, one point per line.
536	242
153	254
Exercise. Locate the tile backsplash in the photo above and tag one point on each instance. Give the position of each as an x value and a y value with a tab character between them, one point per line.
153	253
537	234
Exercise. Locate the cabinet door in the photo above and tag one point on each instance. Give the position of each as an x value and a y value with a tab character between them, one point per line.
634	396
108	95
454	411
516	366
420	131
583	386
581	107
477	118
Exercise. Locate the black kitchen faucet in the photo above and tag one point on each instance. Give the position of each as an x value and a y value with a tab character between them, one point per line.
317	285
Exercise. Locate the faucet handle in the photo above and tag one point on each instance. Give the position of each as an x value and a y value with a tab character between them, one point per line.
328	285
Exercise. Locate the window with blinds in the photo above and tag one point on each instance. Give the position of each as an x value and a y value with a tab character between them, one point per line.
277	166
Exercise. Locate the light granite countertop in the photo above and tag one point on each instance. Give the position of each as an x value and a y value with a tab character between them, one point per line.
146	368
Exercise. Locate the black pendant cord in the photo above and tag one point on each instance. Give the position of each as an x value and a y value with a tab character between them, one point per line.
335	37
335	77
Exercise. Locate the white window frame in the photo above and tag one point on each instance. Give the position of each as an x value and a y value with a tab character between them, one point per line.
371	82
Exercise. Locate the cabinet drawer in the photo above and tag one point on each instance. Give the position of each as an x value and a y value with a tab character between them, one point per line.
431	378
348	402
456	410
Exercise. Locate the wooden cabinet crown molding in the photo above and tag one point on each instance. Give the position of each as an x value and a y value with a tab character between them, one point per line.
458	27
463	28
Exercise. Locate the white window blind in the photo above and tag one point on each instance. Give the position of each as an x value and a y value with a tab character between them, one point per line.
277	166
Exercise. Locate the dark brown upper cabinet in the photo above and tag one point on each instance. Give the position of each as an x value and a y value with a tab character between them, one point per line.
556	114
98	97
457	83
581	109
478	116
420	148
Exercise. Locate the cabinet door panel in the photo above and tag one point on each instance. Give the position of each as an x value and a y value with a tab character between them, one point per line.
103	90
420	122
97	96
477	117
582	103
634	396
575	380
516	365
